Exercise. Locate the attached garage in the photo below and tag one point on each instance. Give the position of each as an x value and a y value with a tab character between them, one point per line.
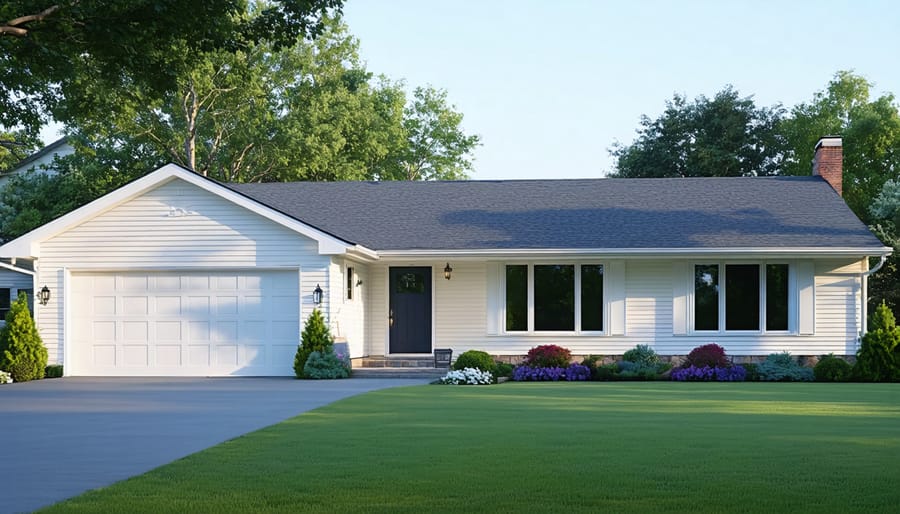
184	323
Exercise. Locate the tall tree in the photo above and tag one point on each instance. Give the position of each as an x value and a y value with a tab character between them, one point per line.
871	132
434	146
726	136
54	52
15	146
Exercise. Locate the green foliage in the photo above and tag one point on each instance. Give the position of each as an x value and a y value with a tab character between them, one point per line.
878	357
15	146
752	372
726	136
630	370
871	132
316	337
53	371
22	353
475	359
642	355
832	369
548	356
781	367
503	369
325	365
71	54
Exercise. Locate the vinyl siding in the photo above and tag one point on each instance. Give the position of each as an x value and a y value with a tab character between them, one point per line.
461	320
349	315
142	234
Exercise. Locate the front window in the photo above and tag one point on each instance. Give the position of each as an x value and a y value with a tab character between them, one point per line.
5	302
751	292
561	298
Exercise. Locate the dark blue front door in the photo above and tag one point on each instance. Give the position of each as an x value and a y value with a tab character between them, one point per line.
410	310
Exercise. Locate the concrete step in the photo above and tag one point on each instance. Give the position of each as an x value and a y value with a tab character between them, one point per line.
396	372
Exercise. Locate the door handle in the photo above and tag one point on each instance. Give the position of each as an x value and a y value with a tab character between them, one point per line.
391	318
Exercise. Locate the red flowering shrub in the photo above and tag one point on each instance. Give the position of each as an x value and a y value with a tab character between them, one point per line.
548	356
711	355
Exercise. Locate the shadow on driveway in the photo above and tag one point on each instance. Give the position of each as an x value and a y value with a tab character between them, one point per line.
65	436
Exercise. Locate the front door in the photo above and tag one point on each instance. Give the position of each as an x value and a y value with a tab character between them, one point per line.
410	310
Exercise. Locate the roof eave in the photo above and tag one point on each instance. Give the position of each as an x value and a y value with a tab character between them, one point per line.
784	252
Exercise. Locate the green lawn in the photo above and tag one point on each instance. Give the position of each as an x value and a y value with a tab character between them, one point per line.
589	447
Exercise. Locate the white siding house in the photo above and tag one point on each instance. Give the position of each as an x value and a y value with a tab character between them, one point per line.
175	274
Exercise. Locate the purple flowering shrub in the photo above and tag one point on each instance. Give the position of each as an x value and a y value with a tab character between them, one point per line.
709	374
572	373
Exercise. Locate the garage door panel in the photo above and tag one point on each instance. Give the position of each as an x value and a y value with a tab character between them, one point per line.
184	323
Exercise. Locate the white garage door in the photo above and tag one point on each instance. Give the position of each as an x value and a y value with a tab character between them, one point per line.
183	323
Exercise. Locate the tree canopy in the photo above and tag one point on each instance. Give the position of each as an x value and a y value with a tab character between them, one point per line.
726	136
54	53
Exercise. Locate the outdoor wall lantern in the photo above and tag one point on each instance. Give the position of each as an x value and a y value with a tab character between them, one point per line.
317	295
44	295
447	271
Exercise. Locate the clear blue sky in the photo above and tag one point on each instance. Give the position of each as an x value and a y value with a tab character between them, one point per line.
550	85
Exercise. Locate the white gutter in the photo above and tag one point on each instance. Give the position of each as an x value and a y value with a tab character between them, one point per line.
634	252
16	268
864	291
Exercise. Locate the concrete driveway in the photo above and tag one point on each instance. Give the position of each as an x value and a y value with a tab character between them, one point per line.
64	436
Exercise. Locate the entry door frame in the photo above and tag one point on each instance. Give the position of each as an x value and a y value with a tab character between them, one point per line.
387	309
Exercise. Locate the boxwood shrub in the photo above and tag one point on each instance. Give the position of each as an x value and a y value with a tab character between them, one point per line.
475	359
832	369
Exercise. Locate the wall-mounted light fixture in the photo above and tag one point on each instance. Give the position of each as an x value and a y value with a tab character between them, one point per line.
44	295
447	271
317	295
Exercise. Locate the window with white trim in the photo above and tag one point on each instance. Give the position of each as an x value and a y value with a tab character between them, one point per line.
741	297
554	297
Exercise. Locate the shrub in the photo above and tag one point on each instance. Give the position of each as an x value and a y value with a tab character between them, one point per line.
324	365
641	355
607	371
710	374
831	368
5	378
474	359
548	356
590	362
22	353
503	369
53	371
315	338
877	359
752	372
711	355
572	372
630	370
468	376
780	367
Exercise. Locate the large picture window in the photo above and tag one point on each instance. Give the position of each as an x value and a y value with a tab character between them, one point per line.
554	298
751	293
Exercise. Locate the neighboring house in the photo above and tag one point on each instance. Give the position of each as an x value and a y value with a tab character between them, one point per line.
176	274
40	161
16	275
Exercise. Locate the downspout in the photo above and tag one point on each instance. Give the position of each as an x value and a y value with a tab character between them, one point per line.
864	308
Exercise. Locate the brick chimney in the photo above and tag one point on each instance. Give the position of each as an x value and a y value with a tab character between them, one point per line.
829	162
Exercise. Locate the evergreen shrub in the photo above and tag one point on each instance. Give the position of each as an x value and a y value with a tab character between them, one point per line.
475	359
316	337
22	353
832	369
878	357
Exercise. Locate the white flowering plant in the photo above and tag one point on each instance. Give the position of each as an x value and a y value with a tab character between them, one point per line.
5	378
468	376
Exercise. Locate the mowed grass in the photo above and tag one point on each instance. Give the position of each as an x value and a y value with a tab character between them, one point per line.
550	447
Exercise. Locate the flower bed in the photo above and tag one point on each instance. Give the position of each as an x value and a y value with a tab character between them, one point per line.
572	373
709	374
468	376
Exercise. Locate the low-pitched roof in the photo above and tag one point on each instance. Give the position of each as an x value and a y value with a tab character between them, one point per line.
682	213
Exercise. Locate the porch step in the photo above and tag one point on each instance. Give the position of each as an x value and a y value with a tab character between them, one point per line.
399	372
395	362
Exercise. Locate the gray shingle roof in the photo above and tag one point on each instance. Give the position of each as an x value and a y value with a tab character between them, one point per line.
683	213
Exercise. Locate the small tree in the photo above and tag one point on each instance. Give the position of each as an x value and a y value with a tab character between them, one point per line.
22	353
316	337
877	359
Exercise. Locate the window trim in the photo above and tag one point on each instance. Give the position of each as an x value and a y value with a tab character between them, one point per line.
531	332
792	325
